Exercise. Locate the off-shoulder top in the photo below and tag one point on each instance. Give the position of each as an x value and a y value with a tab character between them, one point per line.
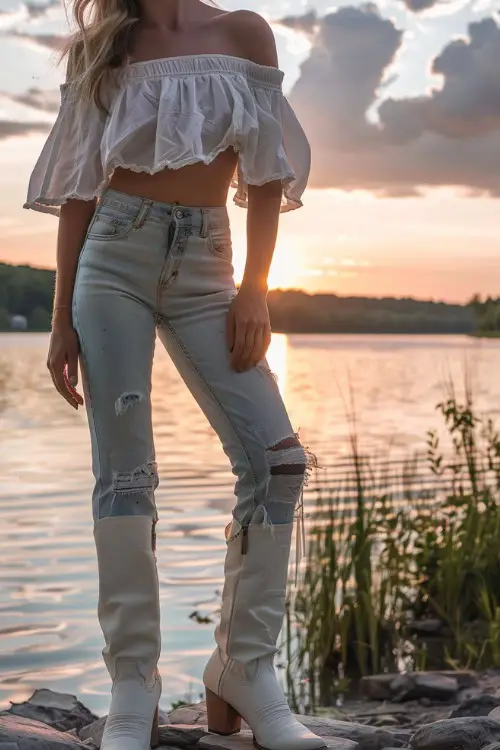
170	113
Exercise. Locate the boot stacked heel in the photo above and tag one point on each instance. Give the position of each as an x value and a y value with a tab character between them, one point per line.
222	718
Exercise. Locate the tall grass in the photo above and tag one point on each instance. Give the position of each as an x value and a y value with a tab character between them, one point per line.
402	565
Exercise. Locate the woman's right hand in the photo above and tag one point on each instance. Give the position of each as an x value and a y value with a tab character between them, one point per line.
62	360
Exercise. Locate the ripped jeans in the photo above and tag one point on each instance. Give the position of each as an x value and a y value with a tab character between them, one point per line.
146	268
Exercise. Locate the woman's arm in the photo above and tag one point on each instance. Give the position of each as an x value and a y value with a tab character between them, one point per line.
62	358
249	330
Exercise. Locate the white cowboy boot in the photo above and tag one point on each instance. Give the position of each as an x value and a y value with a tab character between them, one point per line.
129	613
239	678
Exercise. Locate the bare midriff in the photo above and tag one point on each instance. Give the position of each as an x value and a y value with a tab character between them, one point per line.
194	185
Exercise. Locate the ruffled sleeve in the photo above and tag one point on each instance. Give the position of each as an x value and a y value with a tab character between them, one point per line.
69	165
170	113
273	147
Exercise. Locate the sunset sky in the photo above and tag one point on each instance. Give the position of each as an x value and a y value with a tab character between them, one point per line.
401	103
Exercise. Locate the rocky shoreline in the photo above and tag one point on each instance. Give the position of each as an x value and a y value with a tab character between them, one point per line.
421	711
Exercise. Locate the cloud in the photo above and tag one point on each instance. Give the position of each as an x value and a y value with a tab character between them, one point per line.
306	23
9	128
449	137
44	100
49	41
418	5
468	104
37	10
26	12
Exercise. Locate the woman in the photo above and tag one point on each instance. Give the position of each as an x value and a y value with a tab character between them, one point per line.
164	102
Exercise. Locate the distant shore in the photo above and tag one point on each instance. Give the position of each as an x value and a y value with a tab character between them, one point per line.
26	297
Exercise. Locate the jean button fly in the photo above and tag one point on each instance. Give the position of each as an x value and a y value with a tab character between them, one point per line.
178	214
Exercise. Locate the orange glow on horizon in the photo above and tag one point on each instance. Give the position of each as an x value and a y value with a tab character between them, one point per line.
286	271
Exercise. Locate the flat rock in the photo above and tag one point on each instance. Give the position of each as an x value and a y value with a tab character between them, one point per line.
180	736
20	733
93	732
495	714
322	726
59	710
377	687
376	742
434	686
402	687
350	730
195	714
164	717
479	705
244	741
466	679
467	733
415	685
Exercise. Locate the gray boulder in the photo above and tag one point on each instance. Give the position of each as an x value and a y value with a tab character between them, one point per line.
329	729
377	742
19	733
467	733
59	710
479	705
244	741
179	736
440	686
195	714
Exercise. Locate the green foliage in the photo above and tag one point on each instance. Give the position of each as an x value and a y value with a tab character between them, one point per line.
299	312
4	319
178	704
24	290
389	548
27	291
487	314
39	320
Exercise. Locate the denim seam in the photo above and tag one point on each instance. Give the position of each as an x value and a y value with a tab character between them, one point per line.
91	408
226	246
215	398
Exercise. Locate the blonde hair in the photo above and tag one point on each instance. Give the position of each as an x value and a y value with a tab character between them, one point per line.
99	47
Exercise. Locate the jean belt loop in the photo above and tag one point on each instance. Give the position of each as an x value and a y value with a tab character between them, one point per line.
143	213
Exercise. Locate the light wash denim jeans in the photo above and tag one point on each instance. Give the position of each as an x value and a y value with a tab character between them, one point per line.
147	268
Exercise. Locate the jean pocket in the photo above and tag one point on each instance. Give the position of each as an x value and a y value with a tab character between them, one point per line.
106	226
219	242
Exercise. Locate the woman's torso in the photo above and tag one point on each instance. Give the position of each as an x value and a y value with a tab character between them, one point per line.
212	32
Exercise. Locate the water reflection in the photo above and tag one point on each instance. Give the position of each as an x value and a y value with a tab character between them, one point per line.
49	634
277	358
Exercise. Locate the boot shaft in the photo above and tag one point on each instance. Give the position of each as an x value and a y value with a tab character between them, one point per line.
254	594
129	607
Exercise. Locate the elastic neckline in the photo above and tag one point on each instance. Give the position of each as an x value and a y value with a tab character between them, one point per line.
203	64
199	57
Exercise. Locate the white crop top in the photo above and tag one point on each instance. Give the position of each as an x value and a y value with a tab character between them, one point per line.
171	113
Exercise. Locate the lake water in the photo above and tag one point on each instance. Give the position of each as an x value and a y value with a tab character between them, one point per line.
49	634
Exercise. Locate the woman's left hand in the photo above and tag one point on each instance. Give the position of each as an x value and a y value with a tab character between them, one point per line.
248	328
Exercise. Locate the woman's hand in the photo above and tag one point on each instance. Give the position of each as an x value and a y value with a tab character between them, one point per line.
62	360
248	327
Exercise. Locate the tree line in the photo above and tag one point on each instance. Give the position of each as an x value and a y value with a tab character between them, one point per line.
487	315
28	292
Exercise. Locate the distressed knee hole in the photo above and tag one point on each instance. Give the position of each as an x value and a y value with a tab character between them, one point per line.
142	479
124	402
287	457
